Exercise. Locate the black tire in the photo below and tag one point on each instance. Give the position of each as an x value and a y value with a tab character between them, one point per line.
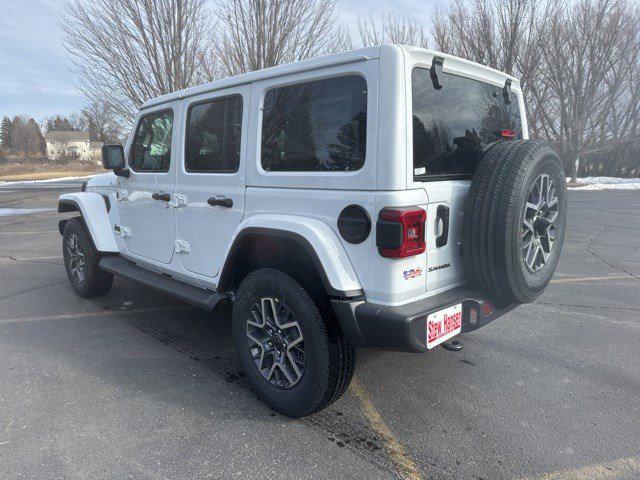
92	281
495	239
329	357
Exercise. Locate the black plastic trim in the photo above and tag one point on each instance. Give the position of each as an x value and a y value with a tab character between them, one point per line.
67	206
435	72
107	202
403	327
354	224
506	91
202	298
272	232
442	212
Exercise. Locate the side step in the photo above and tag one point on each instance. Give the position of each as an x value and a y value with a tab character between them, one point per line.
205	299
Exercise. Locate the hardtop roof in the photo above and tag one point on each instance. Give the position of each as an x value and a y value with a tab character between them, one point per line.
359	55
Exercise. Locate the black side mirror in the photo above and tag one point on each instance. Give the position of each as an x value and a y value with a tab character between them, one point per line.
113	157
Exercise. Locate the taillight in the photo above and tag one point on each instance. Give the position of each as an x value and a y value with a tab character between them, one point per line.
400	232
508	134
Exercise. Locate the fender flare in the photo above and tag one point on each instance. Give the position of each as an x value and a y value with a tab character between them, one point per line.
316	237
93	210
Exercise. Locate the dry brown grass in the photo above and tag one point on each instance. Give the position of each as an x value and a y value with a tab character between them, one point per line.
42	171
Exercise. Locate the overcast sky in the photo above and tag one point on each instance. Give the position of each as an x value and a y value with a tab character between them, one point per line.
34	68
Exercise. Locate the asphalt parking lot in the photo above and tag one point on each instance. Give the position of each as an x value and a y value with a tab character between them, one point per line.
137	385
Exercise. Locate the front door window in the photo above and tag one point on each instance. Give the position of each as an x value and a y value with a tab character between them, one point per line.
151	149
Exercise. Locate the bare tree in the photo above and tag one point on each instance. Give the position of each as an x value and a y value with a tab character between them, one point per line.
502	34
588	76
100	119
258	34
127	51
391	28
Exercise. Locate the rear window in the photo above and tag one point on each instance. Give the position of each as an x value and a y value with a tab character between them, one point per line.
315	126
452	126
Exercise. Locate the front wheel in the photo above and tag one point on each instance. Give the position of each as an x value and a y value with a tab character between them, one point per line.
297	362
81	260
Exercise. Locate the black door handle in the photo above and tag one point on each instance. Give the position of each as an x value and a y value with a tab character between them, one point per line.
443	214
165	197
220	201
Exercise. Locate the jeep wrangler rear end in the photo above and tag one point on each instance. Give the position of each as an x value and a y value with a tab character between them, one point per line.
383	197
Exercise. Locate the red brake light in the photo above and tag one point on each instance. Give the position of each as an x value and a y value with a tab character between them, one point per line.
509	134
400	232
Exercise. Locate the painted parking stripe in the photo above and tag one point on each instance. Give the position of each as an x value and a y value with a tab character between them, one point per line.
403	463
41	232
621	468
593	279
98	313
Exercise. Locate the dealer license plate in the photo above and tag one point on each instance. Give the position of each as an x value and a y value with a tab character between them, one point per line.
444	324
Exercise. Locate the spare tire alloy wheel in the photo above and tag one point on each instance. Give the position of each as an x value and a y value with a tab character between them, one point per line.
75	259
514	221
539	223
276	342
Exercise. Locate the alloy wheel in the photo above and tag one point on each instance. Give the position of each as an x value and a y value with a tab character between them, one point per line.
539	223
76	258
276	342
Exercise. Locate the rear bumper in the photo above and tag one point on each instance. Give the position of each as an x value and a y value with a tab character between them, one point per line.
403	327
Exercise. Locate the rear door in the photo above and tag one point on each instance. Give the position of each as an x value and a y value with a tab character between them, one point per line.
210	180
148	222
451	128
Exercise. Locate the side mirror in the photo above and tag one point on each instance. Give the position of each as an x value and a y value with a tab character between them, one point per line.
113	157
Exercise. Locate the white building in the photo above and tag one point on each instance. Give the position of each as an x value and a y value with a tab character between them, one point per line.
72	144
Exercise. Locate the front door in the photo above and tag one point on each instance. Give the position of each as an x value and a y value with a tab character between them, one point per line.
210	179
148	217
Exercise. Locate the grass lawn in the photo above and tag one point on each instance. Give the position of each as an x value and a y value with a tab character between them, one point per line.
16	171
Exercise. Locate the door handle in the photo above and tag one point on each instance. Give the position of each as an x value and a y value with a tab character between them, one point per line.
442	213
165	197
220	201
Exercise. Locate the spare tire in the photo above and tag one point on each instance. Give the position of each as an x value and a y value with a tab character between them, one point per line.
514	221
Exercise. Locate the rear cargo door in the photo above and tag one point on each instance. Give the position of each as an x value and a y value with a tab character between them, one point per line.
443	233
453	121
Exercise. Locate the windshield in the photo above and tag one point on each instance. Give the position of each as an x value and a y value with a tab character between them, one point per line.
452	126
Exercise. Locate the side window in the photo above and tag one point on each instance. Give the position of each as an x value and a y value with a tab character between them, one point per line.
151	149
213	136
315	126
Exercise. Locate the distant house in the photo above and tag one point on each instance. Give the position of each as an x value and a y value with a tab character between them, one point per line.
72	144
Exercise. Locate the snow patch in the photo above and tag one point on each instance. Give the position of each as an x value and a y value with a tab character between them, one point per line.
606	183
13	212
48	180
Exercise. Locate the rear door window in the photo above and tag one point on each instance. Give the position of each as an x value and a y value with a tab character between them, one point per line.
213	136
315	126
452	126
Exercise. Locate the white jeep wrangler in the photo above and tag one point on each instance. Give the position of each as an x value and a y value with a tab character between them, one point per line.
384	197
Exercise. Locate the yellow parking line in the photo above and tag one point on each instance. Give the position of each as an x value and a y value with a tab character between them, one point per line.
593	279
46	232
57	257
612	469
404	464
98	313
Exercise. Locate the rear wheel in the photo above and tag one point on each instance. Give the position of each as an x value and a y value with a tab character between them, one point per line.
297	361
81	261
514	221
